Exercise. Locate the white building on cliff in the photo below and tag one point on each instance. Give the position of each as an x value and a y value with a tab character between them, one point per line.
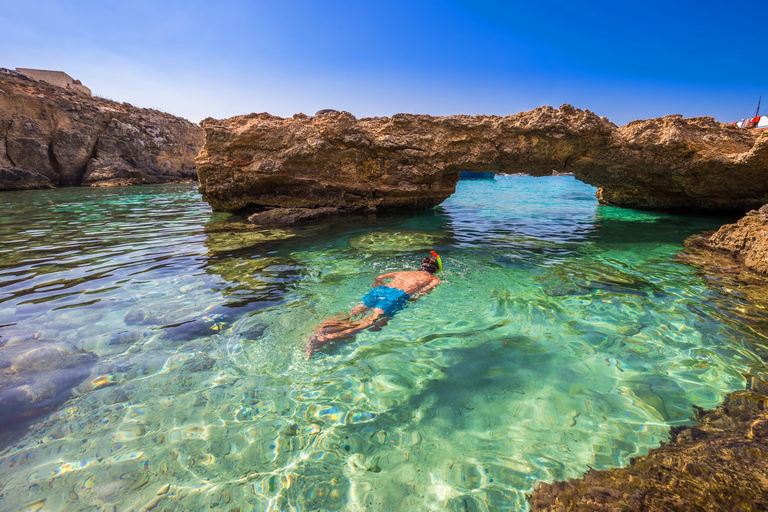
57	78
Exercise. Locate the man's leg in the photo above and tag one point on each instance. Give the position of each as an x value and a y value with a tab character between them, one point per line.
342	318
327	333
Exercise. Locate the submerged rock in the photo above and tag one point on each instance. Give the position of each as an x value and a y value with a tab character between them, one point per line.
259	161
53	137
718	464
35	377
283	216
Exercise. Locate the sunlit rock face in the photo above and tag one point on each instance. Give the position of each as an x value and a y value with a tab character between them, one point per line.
691	164
53	137
258	161
747	240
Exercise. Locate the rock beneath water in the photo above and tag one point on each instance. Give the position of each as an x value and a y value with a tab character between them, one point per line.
35	377
280	216
718	464
747	240
53	137
258	161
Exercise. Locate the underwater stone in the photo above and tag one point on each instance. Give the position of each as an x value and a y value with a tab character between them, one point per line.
35	377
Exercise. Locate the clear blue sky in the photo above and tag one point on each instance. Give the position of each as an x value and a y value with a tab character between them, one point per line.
623	60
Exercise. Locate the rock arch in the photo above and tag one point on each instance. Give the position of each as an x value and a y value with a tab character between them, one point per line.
259	162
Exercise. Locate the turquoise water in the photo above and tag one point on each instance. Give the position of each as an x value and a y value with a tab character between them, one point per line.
564	337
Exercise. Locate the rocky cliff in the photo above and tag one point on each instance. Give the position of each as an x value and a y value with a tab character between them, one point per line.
53	137
259	162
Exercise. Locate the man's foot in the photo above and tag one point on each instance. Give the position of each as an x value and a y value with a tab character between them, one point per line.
314	343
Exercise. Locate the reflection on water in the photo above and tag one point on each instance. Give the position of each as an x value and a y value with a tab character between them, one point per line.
151	351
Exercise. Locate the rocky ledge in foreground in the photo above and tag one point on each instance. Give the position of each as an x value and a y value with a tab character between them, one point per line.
52	137
718	464
747	240
259	162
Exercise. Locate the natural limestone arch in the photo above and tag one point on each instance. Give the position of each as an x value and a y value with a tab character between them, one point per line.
261	162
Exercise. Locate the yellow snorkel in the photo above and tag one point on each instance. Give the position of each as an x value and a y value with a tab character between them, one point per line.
439	260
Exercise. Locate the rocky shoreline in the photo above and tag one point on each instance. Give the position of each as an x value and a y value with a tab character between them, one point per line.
718	463
51	137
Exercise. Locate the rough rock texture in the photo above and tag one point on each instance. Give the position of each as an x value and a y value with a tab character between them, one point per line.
692	164
53	137
258	161
282	216
747	240
718	464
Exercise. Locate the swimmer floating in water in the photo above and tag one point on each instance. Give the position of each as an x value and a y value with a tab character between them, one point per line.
379	304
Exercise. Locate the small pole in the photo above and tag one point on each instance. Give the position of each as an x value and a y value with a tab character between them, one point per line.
757	112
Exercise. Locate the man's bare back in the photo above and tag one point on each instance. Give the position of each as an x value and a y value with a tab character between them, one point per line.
379	304
413	282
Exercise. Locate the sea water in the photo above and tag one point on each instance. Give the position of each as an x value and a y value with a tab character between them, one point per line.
564	336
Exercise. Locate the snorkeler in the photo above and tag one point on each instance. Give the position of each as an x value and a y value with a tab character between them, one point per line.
379	304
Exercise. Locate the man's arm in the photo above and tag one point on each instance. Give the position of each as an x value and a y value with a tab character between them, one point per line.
379	280
431	286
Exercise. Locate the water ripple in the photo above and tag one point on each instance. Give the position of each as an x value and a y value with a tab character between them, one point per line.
151	350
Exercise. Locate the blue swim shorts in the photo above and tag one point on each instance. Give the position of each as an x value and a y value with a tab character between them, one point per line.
391	300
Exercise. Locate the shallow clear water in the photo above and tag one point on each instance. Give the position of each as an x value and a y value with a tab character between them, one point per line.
564	337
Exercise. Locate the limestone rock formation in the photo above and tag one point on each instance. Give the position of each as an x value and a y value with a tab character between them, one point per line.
53	137
717	464
747	240
259	162
692	164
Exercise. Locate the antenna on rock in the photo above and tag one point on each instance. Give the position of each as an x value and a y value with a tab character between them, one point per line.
757	112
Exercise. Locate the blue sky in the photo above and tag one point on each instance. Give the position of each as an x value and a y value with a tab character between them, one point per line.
197	59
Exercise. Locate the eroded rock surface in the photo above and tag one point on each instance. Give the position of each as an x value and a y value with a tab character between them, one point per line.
718	464
259	162
747	240
53	137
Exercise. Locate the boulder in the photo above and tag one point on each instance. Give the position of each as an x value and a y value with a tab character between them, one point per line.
282	216
37	377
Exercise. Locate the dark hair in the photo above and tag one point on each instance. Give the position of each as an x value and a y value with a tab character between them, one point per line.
429	264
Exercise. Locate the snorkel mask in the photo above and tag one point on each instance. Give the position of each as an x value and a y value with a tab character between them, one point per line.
439	261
